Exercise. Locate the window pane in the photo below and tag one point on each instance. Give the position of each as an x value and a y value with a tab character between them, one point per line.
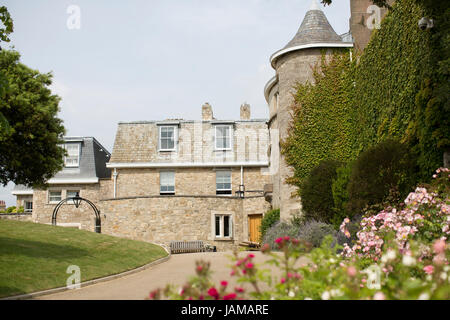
223	137
217	226
28	206
72	194
55	196
167	181
167	138
226	226
223	180
73	154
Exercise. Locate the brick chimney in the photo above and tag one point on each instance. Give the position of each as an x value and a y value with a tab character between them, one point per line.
245	111
207	113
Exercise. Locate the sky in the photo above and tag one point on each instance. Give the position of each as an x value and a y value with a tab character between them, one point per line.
155	59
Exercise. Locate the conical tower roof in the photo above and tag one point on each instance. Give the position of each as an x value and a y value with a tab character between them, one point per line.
315	31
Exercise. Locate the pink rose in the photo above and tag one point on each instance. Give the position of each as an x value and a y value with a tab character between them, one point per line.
428	269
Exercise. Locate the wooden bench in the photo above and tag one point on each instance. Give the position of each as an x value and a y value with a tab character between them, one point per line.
186	246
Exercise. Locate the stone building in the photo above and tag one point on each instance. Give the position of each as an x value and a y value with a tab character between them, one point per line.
365	18
207	179
189	180
293	64
84	173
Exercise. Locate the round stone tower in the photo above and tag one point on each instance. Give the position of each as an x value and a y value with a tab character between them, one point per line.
293	64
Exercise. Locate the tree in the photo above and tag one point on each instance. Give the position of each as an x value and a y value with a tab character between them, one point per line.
30	151
7	28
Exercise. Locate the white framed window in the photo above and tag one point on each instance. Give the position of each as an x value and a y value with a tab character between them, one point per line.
167	138
223	182
167	182
223	226
54	196
73	155
223	137
28	206
72	194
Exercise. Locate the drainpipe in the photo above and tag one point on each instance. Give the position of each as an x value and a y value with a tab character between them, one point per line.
115	174
241	187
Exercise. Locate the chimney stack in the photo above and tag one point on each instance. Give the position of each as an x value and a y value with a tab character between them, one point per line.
245	111
207	113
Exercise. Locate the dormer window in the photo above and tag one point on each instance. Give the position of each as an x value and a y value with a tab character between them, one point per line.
223	137
72	159
167	138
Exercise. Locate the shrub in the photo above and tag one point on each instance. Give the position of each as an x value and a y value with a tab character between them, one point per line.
11	209
314	232
279	230
339	190
270	218
377	171
424	217
316	194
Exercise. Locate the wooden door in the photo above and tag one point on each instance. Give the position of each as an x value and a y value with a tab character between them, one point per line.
254	227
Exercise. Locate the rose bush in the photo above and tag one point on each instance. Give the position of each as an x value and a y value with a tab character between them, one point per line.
401	253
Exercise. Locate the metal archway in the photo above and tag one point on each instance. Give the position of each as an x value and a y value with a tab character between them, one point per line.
77	201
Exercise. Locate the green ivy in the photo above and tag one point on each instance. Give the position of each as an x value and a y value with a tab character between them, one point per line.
396	93
323	125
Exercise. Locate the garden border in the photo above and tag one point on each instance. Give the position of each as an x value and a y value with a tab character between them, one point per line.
90	282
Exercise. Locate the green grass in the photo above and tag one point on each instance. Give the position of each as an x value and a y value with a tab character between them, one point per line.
35	257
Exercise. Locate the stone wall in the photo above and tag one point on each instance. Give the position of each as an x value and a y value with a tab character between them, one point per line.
68	215
17	216
360	26
162	219
188	181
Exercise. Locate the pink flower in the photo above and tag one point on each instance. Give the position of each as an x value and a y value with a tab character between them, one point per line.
230	296
278	240
439	246
428	269
232	273
287	238
249	265
224	283
251	255
213	293
199	268
239	289
283	280
351	271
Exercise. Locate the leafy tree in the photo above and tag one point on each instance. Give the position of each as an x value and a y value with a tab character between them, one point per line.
30	151
7	28
316	192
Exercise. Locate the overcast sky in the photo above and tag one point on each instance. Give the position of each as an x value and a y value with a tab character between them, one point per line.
156	59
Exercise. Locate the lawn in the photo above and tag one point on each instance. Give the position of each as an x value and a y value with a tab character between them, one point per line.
35	257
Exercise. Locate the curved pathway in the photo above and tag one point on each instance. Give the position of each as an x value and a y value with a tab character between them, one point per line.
176	271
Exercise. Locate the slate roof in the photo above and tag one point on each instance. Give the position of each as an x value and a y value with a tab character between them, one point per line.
315	31
92	164
315	28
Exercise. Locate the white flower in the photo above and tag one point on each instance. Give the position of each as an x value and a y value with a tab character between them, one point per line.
443	276
307	298
326	295
408	261
336	293
291	294
424	296
388	256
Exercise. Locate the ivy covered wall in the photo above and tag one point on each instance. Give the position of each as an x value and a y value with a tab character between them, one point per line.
396	89
323	117
394	93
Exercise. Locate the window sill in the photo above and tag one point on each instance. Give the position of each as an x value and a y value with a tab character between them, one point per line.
167	150
224	239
